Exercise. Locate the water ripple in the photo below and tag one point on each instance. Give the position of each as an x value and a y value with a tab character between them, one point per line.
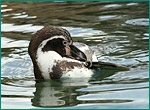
138	22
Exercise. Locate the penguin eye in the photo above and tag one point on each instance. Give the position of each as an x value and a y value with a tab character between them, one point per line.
65	43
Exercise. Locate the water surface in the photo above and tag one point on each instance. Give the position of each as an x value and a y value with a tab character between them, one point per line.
118	32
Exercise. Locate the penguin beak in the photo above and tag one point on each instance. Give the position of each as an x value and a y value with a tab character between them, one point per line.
73	52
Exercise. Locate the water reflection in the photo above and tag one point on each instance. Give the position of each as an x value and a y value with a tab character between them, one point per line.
55	93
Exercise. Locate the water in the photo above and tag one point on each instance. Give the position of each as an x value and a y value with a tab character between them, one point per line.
117	31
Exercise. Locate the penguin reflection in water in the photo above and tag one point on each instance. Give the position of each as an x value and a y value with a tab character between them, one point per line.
55	56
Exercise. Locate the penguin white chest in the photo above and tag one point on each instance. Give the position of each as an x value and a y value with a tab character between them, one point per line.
46	61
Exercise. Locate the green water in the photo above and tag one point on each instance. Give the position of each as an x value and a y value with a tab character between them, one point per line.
118	32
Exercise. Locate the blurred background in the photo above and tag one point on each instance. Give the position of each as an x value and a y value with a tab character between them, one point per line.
117	31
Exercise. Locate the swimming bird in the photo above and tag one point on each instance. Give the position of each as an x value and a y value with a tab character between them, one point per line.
55	55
